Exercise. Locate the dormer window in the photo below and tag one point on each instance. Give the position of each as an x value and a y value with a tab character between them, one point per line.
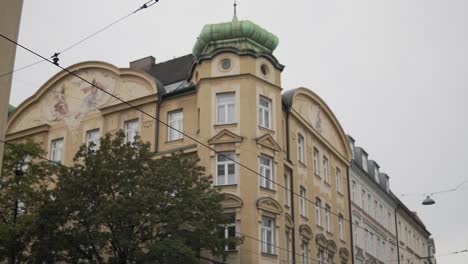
376	174
364	162
351	145
387	185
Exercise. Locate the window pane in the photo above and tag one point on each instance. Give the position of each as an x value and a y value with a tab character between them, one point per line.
231	113
221	114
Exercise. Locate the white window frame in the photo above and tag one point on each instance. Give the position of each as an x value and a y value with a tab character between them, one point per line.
305	252
316	157
376	172
264	112
300	148
287	191
364	162
266	180
327	218
56	149
353	191
325	164
338	180
227	228
131	132
175	119
91	137
228	119
318	214
302	201
268	235
229	179
340	227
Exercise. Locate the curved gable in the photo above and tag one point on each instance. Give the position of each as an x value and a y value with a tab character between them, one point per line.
310	108
65	98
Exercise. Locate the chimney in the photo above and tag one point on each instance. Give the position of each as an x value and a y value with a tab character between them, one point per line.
143	64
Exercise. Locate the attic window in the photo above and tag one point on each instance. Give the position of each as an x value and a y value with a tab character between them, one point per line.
264	69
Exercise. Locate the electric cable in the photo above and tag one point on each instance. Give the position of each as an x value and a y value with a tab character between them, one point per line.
55	55
194	139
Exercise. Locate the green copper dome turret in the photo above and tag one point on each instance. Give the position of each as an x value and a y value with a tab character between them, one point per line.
242	37
11	109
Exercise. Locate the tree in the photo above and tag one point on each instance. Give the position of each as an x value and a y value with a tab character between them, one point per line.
24	190
121	204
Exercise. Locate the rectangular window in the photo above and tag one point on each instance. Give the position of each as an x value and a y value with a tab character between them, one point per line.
325	169
287	191
377	248
131	130
288	246
268	235
225	108
305	252
266	170
225	168
338	180
327	218
353	191
369	204
356	233
364	162
371	244
381	214
320	257
366	241
318	217
376	210
376	175
56	150
92	136
363	199
300	148
302	202
230	231
340	226
316	162
330	259
175	119
264	112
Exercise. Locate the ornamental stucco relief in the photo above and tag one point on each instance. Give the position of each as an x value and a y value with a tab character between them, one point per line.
319	120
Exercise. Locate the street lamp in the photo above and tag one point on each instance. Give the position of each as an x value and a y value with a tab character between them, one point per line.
428	201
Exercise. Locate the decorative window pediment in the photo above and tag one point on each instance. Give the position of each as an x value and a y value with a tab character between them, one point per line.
344	254
305	231
269	142
225	136
321	241
231	201
331	247
270	205
288	220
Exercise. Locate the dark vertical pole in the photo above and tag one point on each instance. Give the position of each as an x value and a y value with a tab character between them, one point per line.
156	132
396	232
291	186
350	213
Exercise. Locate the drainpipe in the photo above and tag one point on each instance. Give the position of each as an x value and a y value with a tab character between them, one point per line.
291	184
396	233
156	132
350	215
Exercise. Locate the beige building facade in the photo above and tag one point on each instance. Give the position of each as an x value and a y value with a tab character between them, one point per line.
415	244
287	193
10	16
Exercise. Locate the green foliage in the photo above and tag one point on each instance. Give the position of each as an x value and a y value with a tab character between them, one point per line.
121	204
22	197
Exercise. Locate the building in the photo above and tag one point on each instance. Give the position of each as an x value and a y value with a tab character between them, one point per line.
227	94
372	211
10	16
384	229
415	244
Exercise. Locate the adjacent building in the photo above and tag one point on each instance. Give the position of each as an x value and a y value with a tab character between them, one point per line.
10	16
373	211
293	207
384	229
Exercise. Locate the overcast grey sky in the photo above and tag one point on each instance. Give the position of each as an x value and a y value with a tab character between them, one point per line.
395	73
